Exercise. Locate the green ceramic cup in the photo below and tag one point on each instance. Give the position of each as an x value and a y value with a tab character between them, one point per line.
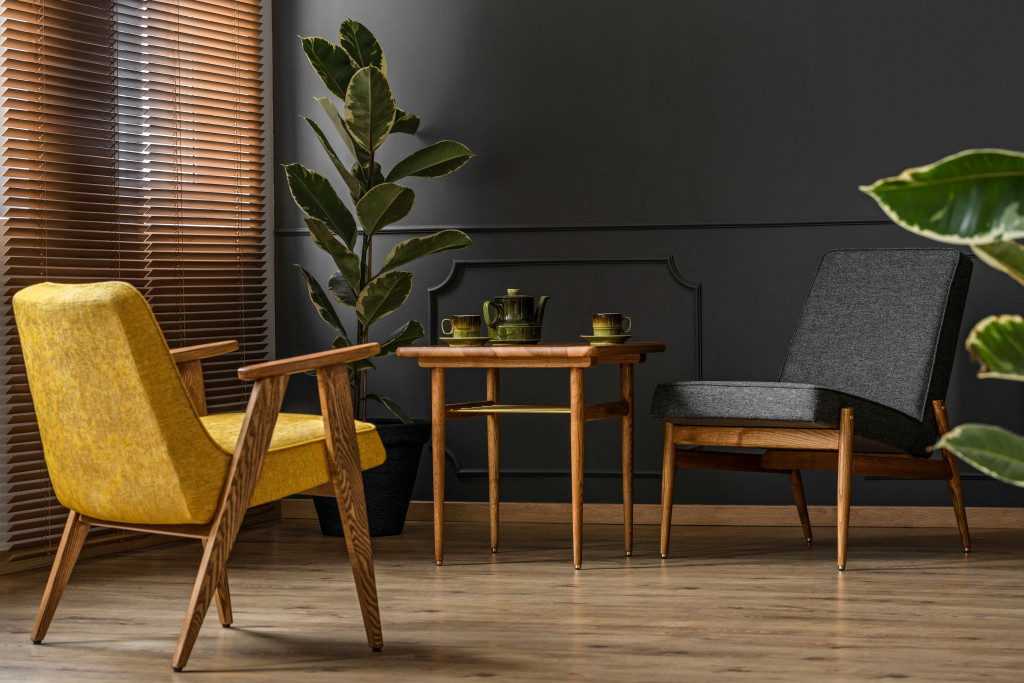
611	324
461	326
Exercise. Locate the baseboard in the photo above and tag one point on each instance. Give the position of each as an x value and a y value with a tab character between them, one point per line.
701	515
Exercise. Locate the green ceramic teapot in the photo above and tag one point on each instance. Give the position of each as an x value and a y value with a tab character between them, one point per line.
514	316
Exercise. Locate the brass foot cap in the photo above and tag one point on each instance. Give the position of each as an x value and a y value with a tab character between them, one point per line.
664	556
579	566
967	550
439	563
842	567
808	539
494	550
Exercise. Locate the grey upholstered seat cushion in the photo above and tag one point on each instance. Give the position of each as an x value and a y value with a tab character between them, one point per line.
878	333
785	404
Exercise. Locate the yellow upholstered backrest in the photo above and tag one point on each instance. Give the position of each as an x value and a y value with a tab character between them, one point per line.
121	438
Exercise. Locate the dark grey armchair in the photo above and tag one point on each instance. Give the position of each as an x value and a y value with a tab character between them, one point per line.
861	392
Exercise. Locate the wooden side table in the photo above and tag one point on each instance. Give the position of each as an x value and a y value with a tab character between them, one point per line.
576	357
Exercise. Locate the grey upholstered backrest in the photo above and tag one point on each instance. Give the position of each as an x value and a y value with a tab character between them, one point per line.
882	324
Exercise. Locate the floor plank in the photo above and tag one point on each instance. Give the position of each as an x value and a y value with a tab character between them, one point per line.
731	603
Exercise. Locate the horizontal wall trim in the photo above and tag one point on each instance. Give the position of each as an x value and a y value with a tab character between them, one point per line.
556	227
701	515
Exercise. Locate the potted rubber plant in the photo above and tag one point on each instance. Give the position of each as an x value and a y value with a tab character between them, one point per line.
976	198
363	114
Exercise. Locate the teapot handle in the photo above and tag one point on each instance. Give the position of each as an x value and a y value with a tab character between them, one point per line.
487	317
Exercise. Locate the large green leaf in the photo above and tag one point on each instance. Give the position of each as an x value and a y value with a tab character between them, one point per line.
341	290
384	205
331	63
344	258
315	196
995	451
358	153
974	197
403	336
997	342
440	158
418	247
361	46
390	405
405	123
321	302
369	107
355	187
1005	256
383	295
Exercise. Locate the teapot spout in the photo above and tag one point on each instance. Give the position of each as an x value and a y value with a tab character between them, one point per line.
540	309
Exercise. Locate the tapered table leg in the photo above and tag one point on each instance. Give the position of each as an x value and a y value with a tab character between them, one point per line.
626	392
437	420
576	457
493	441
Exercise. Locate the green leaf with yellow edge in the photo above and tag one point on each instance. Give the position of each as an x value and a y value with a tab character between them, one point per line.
405	335
383	295
358	153
330	62
997	343
973	197
405	123
995	451
440	158
1005	256
344	258
361	45
369	107
321	302
341	290
355	187
316	197
390	405
418	247
383	205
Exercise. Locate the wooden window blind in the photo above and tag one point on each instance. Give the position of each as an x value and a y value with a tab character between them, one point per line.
133	148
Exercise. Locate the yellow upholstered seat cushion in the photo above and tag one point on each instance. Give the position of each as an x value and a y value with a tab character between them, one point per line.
297	459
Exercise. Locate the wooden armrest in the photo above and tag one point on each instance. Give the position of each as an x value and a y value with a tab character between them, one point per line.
201	351
312	361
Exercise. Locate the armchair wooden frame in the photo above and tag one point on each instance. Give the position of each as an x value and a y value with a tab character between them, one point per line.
218	536
789	450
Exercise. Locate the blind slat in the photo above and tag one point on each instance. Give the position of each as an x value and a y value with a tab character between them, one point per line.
133	148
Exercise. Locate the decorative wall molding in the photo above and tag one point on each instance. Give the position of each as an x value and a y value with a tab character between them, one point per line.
667	262
562	227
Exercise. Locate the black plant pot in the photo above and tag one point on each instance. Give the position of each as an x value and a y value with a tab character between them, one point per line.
388	487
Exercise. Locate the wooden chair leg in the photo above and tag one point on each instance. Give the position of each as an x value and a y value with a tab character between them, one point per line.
347	478
956	492
71	542
796	483
222	598
668	487
845	478
246	463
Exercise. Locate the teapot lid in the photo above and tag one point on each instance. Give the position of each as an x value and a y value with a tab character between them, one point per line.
513	294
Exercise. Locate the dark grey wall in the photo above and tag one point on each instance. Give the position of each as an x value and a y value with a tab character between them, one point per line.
630	149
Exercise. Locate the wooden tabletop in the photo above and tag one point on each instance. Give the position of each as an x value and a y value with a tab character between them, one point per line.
531	355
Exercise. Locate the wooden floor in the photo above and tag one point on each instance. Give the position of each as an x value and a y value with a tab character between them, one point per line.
733	603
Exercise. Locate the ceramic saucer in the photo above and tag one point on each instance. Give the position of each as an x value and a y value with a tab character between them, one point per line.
606	338
465	341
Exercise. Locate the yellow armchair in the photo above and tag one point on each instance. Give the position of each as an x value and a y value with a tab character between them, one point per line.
128	443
